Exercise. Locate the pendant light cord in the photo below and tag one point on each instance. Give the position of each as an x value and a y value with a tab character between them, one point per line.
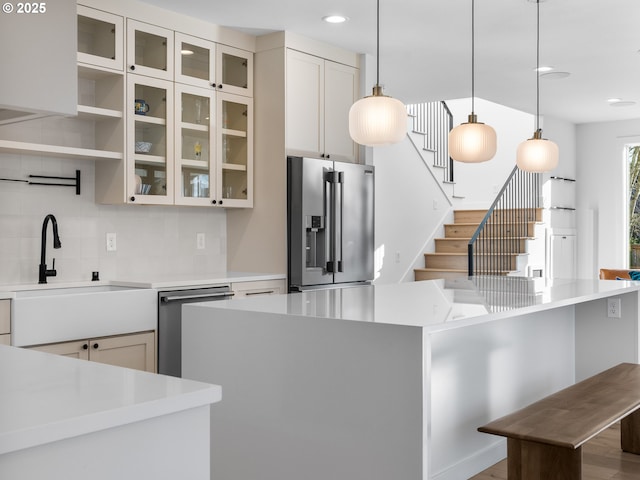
378	43
538	67
473	56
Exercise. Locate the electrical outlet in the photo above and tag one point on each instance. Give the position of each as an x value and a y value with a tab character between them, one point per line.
614	306
111	242
200	241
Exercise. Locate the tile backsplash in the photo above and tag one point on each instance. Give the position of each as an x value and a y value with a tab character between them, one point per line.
151	240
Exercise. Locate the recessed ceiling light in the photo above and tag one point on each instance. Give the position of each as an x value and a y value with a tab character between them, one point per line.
543	69
623	103
614	100
186	52
335	19
554	75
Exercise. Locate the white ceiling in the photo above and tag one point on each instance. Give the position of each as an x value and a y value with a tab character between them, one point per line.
425	47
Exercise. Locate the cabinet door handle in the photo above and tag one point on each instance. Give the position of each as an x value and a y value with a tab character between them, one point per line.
133	199
214	202
220	202
220	86
213	85
95	346
85	347
264	292
132	67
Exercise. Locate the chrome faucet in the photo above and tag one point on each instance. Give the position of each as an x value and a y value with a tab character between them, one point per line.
43	272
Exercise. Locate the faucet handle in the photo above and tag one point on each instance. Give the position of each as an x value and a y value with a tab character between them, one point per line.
52	272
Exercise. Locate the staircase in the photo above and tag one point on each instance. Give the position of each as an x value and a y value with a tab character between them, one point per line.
502	248
479	242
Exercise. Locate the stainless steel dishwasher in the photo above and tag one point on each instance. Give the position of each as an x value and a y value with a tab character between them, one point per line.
170	322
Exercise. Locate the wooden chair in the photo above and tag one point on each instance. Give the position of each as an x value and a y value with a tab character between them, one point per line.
614	274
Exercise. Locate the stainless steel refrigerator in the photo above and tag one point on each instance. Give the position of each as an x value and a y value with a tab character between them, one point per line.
330	207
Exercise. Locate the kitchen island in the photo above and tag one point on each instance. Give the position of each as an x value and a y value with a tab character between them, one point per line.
392	381
65	418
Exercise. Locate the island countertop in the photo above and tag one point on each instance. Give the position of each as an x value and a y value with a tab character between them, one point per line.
435	305
46	398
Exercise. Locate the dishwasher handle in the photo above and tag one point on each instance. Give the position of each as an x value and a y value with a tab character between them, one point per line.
172	298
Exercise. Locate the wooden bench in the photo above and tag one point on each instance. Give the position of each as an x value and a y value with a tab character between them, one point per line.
544	440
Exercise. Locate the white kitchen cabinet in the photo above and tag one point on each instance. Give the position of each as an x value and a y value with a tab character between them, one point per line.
100	38
319	94
562	255
5	322
195	147
135	351
260	287
149	151
234	163
234	70
149	50
206	64
214	148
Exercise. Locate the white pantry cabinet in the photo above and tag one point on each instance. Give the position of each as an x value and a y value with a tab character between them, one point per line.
319	94
135	351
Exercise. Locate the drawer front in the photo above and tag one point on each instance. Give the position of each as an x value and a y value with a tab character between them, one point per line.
262	287
5	316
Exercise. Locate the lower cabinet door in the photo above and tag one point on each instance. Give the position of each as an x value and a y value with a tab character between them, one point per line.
77	349
135	351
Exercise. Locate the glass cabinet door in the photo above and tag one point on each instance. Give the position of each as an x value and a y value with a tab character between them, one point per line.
235	150
194	150
149	50
195	61
150	145
234	70
100	38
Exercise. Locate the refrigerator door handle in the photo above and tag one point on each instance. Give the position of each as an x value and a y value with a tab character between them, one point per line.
340	210
331	179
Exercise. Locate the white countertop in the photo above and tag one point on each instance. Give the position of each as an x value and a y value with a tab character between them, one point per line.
158	282
435	304
46	398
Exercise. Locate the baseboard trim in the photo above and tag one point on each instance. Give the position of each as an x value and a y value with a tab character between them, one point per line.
474	464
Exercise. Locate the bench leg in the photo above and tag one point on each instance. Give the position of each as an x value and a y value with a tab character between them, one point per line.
630	433
539	461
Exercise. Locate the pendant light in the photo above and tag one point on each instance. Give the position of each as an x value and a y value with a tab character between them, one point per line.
377	119
472	142
537	154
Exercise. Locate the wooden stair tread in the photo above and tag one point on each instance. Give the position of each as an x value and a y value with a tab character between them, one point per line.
464	254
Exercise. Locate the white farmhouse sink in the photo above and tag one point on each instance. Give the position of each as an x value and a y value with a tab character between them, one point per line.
48	315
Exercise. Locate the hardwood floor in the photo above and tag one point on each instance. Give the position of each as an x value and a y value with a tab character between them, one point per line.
602	459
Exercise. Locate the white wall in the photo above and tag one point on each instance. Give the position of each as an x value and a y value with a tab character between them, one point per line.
601	194
479	183
410	207
150	240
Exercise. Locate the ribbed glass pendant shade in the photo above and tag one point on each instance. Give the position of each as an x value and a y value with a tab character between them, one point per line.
377	120
537	154
472	142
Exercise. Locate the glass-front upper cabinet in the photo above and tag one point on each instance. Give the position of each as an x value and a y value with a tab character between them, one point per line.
100	38
234	70
149	141
195	61
195	146
149	50
235	150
